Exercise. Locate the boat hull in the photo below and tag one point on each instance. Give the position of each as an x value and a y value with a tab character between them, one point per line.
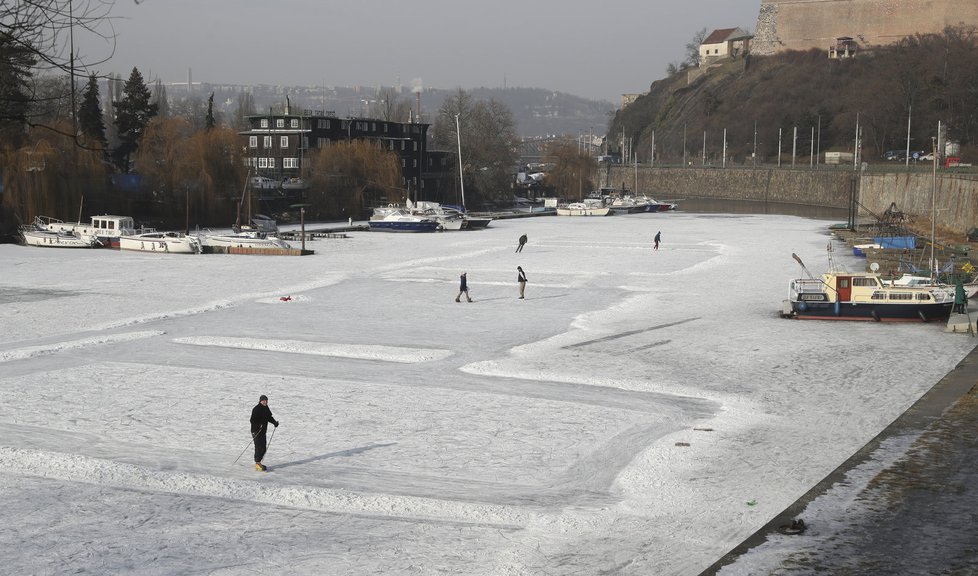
583	211
167	243
243	241
55	240
403	226
874	312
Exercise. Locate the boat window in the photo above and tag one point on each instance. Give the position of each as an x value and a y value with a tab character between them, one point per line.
843	283
865	282
901	296
923	296
879	295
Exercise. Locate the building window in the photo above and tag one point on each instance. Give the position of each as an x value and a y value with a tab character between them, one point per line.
263	162
253	141
415	144
271	162
283	142
264	122
280	122
295	123
290	162
267	142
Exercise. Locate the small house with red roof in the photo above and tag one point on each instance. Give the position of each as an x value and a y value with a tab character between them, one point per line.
725	43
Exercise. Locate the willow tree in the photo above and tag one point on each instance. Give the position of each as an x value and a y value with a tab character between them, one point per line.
574	172
220	176
347	178
165	165
49	175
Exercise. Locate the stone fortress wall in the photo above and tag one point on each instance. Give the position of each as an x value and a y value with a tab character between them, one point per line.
953	194
805	24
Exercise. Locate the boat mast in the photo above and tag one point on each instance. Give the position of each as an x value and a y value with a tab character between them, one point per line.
461	178
933	213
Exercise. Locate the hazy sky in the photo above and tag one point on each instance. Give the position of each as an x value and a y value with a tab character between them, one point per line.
591	49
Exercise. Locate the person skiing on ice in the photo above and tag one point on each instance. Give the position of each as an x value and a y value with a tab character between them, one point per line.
261	415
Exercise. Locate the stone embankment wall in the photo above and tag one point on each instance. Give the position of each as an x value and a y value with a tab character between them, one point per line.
955	196
803	24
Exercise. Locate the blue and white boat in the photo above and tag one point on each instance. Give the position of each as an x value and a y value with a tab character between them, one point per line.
394	219
842	295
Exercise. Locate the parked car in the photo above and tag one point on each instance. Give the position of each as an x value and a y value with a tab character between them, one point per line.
926	157
895	155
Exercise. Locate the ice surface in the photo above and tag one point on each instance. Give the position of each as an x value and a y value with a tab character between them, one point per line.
619	420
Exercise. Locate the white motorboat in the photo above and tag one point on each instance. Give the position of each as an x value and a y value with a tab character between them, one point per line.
447	218
46	238
167	242
243	240
104	230
586	208
394	219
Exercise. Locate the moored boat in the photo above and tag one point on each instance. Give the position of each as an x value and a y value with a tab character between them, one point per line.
448	219
166	242
104	230
586	208
242	240
842	295
394	219
46	238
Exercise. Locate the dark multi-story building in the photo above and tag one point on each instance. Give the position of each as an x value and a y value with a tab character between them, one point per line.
277	144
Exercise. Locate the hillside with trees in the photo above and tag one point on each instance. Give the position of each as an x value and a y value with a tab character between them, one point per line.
926	79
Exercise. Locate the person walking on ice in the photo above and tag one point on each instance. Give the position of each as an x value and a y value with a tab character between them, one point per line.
658	238
521	278
463	288
522	242
261	415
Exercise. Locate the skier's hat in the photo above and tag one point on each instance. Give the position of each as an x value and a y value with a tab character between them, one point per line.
262	397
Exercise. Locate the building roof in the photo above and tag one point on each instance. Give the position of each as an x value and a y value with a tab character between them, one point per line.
721	35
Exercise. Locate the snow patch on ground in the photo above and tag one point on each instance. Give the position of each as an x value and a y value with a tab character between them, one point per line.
363	352
33	351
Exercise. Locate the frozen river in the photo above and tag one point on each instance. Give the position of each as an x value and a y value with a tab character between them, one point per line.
640	412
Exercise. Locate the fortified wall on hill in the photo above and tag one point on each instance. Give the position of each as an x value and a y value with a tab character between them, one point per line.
805	24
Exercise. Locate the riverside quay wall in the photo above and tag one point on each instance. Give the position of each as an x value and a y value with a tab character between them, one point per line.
955	196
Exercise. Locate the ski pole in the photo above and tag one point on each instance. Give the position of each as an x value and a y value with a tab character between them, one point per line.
270	438
246	448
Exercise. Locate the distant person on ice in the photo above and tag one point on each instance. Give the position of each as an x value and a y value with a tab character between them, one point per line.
658	238
463	288
261	415
522	242
521	278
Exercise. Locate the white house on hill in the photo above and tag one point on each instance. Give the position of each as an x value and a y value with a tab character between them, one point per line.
725	43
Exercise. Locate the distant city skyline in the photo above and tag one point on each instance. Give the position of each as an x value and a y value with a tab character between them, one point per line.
588	49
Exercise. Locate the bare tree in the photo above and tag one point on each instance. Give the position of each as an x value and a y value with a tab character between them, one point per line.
37	37
489	142
693	48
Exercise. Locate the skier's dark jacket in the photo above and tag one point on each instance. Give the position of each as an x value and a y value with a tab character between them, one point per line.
260	417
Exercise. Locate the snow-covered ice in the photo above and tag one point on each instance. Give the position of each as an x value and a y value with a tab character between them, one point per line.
641	412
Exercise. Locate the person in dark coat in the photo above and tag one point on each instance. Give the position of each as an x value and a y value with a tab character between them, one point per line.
463	288
521	278
261	415
522	242
658	237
